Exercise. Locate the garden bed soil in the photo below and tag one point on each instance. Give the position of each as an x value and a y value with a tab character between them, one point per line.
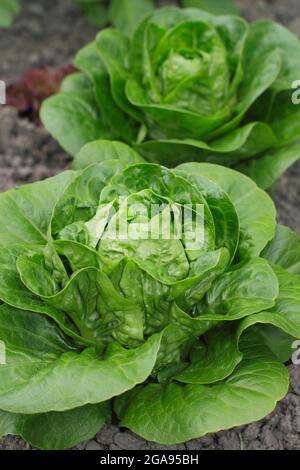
49	33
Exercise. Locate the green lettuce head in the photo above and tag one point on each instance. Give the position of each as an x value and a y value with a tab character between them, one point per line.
188	86
106	306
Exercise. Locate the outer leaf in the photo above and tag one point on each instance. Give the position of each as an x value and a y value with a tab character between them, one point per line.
217	356
176	413
239	144
260	71
8	10
279	342
261	68
35	367
283	116
214	359
266	36
100	150
284	250
127	14
75	82
30	209
285	313
73	119
53	430
216	7
95	11
269	167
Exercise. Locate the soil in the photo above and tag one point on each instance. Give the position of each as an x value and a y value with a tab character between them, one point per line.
49	33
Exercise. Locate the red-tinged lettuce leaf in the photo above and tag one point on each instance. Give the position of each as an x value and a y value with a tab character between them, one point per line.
28	93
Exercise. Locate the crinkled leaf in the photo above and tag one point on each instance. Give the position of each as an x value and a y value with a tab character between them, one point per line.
90	300
80	199
217	355
223	211
167	184
242	291
14	293
170	120
254	207
35	366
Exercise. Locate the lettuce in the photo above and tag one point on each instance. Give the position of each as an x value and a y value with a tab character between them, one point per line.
123	14
179	336
188	86
8	10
